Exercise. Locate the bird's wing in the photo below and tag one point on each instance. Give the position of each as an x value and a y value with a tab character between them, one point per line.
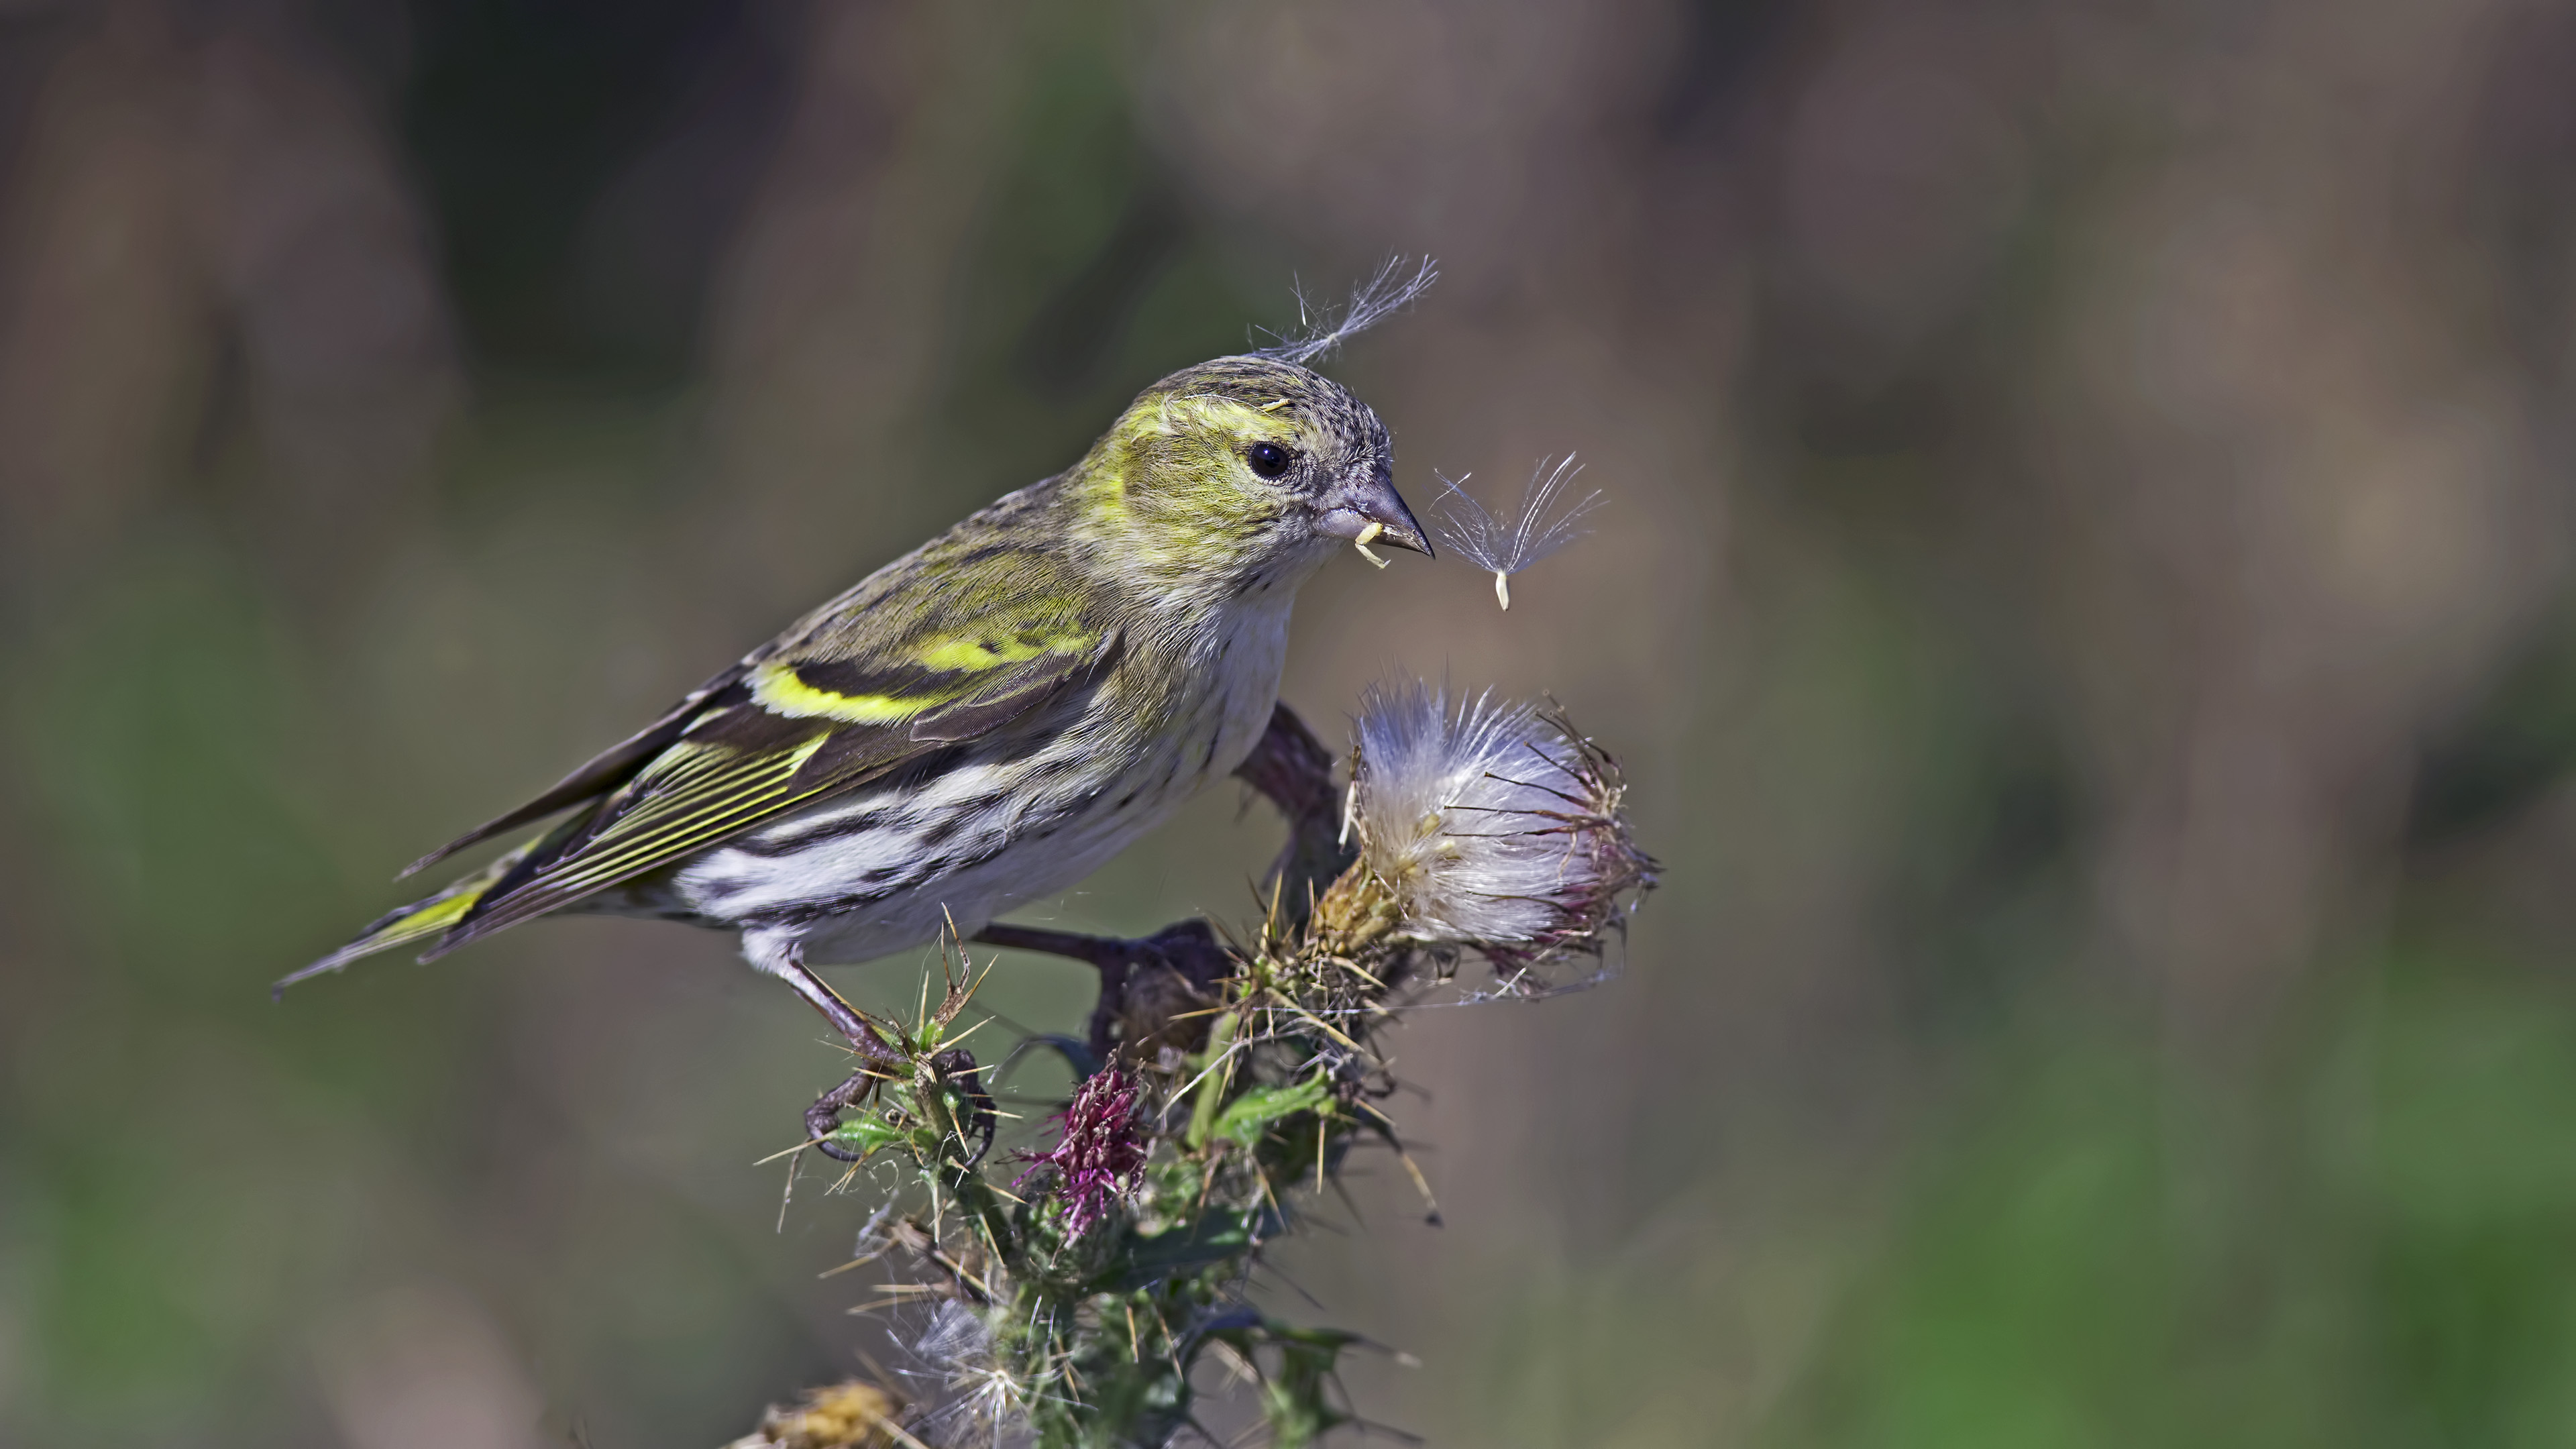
797	728
933	652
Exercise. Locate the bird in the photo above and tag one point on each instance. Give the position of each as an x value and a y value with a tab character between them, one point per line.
976	725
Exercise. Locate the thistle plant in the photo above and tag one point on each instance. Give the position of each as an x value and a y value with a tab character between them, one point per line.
1066	1297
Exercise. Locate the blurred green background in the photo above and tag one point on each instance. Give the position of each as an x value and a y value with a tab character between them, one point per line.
2084	599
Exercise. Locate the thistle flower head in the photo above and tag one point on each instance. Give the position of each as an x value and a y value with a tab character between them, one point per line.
1505	544
1494	825
1101	1150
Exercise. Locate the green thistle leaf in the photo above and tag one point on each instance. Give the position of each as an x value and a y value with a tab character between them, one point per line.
1247	1117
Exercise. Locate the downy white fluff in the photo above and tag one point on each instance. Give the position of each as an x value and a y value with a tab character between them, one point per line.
1494	825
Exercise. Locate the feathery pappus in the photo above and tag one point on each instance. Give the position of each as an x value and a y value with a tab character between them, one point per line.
1504	544
984	721
1492	825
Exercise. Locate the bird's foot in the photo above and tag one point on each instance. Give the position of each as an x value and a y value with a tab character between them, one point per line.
1183	959
954	1067
880	1062
824	1116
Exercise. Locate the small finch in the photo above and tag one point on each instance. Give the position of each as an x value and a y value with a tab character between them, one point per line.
980	723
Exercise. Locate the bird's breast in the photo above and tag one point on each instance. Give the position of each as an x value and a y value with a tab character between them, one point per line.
1233	683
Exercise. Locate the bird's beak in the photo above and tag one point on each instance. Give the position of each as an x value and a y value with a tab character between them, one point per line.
1368	510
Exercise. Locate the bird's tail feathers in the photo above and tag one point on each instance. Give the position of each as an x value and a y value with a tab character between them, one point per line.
421	920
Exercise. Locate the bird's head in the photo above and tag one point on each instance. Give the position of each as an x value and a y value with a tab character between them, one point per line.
1240	475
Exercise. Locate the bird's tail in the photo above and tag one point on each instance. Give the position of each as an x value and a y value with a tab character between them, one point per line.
423	919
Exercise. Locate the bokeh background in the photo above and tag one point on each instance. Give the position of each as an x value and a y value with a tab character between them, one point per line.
2084	598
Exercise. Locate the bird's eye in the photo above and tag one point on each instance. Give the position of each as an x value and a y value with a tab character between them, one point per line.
1267	459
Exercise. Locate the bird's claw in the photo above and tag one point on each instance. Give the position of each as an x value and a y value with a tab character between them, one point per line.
1189	948
955	1066
824	1116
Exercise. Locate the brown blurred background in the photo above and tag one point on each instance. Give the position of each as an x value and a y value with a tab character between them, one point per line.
2084	600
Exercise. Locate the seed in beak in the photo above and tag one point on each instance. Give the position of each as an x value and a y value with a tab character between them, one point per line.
1371	531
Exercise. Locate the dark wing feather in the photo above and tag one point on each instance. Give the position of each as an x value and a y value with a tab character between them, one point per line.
969	633
890	674
998	704
741	763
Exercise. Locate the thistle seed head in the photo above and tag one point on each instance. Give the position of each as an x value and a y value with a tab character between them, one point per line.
1493	825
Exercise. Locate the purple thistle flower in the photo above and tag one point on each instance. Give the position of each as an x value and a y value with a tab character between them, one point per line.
1101	1151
